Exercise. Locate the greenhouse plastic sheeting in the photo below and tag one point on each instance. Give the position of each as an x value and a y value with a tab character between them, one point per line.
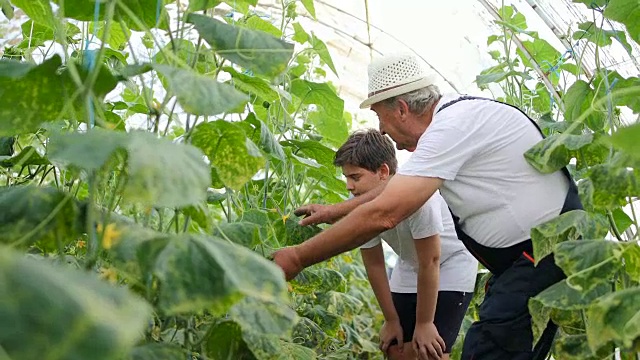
450	37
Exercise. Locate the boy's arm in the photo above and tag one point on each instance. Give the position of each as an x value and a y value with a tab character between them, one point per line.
374	264
426	339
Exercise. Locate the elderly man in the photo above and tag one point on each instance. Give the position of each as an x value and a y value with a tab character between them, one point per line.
472	150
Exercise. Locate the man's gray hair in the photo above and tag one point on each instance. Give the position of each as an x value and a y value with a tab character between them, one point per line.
419	101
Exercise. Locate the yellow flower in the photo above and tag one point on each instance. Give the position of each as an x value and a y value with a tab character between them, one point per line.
111	235
81	244
284	218
109	274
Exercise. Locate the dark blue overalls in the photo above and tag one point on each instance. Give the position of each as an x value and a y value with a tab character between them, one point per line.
504	329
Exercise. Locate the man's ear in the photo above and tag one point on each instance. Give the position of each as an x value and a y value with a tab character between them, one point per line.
403	108
384	171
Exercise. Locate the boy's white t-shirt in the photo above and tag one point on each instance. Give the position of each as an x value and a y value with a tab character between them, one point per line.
477	147
458	268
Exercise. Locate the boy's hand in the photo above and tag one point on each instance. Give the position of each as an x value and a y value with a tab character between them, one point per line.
391	330
427	343
316	214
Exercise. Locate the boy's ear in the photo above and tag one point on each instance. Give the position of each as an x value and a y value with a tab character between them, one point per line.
384	171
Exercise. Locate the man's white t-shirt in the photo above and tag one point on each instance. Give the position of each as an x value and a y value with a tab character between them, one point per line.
477	147
458	268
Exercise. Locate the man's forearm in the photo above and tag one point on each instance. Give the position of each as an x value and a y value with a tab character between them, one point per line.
362	225
343	208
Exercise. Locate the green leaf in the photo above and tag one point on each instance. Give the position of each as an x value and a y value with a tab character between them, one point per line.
512	19
224	341
146	13
572	68
631	257
58	313
575	347
308	4
609	85
31	95
241	6
265	138
568	226
591	32
242	233
263	317
118	36
612	183
6	8
197	5
626	12
163	173
553	153
321	49
153	351
588	263
252	85
297	234
88	151
255	22
615	317
234	157
541	99
227	340
6	145
564	297
320	94
317	279
149	158
577	101
591	3
313	150
198	273
28	156
300	35
621	220
199	94
185	50
497	74
35	34
493	38
544	54
626	139
251	49
38	10
42	215
333	129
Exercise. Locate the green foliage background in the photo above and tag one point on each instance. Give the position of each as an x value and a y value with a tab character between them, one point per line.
141	197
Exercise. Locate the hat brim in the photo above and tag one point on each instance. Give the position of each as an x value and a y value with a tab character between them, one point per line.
402	89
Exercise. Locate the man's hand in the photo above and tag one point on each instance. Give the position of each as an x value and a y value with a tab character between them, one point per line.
391	330
427	343
316	214
288	260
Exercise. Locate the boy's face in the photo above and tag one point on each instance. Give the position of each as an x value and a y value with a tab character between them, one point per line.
360	180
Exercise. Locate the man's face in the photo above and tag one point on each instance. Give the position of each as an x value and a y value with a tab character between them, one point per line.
360	180
391	122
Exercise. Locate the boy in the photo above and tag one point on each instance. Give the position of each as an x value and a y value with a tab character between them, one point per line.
432	284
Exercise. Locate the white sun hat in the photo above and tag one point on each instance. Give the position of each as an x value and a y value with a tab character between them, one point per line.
394	75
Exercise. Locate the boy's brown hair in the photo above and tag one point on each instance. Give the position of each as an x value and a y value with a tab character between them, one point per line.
368	149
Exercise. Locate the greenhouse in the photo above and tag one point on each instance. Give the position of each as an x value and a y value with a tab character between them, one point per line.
319	179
